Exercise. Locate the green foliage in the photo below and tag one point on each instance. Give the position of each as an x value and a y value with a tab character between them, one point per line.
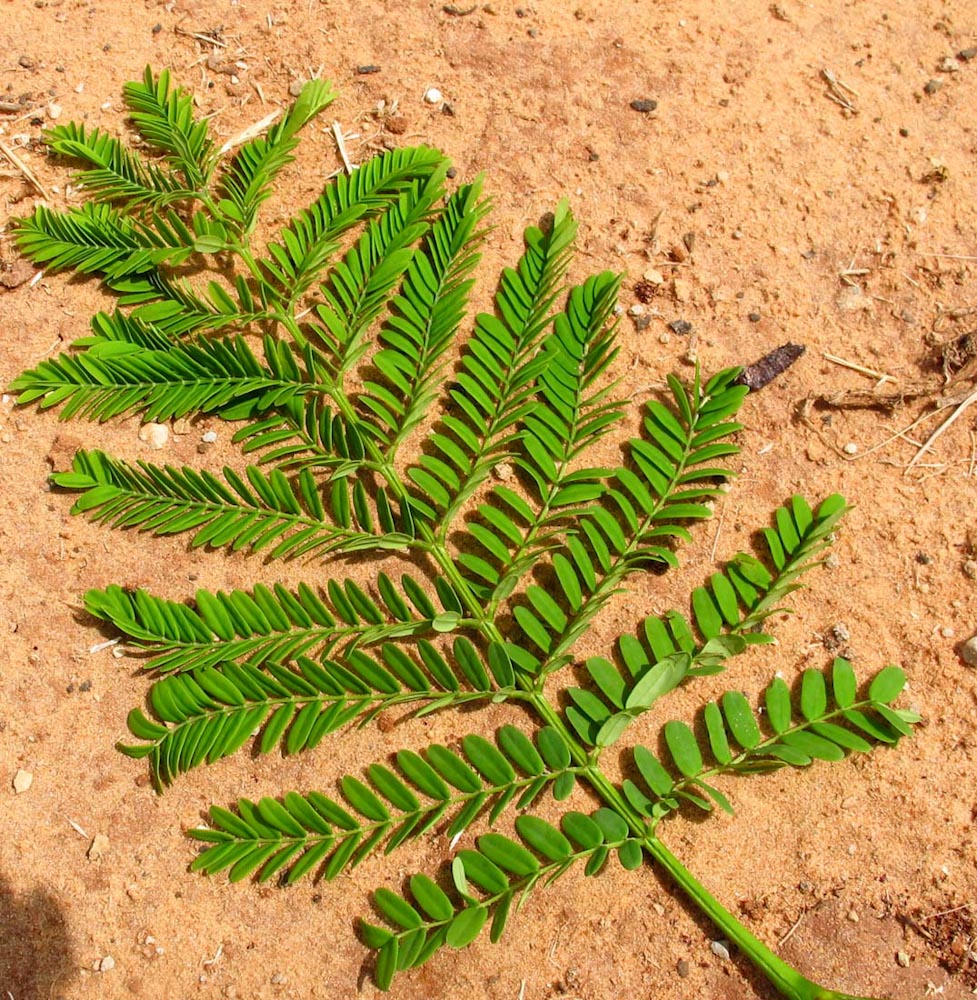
331	347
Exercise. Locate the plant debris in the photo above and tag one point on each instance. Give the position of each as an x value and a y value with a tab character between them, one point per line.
770	366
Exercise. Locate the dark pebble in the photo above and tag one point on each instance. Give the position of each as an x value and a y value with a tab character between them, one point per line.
644	106
904	132
932	86
157	28
367	70
25	62
447	109
680	326
754	317
85	686
965	55
452	172
642	323
682	968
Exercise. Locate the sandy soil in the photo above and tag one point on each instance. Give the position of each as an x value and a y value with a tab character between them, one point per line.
851	230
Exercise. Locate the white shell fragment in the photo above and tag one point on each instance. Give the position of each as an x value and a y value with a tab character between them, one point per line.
433	96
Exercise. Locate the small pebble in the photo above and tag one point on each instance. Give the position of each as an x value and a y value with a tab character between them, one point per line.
949	65
53	111
655	277
106	964
433	96
737	234
155	435
902	959
853	916
948	632
970	569
98	848
645	106
664	338
295	87
968	653
25	62
279	979
208	437
965	55
22	781
933	86
636	310
367	70
680	327
682	968
754	317
831	561
851	448
720	949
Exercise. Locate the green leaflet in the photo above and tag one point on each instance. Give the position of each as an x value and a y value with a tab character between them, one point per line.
330	348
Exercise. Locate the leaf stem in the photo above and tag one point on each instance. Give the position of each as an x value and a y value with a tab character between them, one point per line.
783	977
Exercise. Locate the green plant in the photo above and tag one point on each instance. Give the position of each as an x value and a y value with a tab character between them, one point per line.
515	570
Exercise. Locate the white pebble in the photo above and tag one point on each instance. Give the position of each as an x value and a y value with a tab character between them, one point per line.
948	632
902	959
54	110
433	96
79	88
851	448
720	949
968	651
655	277
22	781
106	964
155	435
636	310
209	437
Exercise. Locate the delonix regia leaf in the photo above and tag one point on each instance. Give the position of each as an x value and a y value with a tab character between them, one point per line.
371	416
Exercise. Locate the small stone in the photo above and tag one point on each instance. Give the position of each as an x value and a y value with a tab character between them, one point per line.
754	317
106	964
682	290
965	55
948	632
720	949
295	87
680	327
367	70
155	435
98	848
933	86
25	62
852	916
208	437
636	310
181	426
968	653
664	338
22	781
737	234
53	111
279	979
832	561
970	569
433	96
79	88
397	124
851	448
644	105
682	968
853	299
902	959
655	277
949	65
